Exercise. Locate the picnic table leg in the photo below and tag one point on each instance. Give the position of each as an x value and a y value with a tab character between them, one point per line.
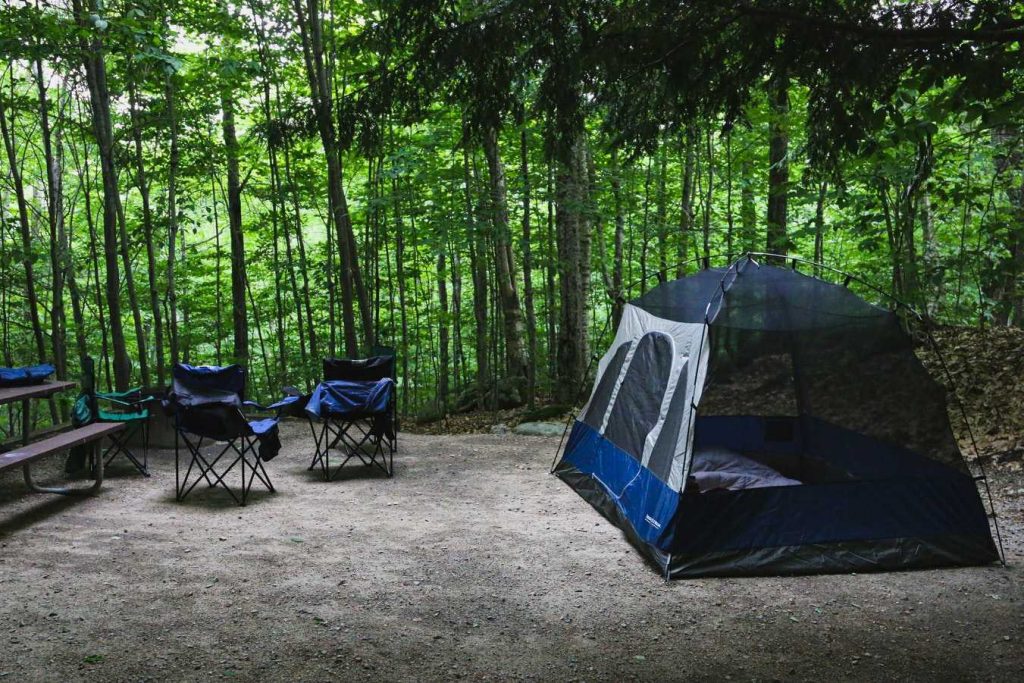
27	470
26	421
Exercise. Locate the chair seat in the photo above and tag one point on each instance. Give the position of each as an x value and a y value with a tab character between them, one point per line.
113	416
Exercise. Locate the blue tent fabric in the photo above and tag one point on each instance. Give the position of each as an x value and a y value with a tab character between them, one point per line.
26	375
343	398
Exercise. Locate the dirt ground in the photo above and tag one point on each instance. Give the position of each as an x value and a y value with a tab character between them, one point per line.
471	563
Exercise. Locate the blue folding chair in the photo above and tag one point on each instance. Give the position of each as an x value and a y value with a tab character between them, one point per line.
206	403
356	407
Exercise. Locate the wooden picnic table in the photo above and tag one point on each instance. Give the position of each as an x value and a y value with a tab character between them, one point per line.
30	451
24	395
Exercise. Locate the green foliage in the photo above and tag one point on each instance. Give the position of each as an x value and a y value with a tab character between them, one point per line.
905	117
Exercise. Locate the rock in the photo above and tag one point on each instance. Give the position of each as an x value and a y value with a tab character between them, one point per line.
539	429
500	428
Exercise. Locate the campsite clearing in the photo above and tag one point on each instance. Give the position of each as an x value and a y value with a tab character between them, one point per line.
471	563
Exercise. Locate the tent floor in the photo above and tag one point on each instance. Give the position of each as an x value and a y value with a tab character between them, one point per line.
471	562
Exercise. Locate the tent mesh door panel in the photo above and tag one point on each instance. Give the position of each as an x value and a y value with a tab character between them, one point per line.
785	344
665	447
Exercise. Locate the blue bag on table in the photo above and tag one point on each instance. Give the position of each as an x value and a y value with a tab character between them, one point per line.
25	376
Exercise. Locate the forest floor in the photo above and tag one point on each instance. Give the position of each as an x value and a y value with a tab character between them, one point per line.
472	563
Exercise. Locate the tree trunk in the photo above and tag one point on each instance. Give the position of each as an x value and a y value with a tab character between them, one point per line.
96	78
528	302
573	268
239	319
515	356
312	46
172	215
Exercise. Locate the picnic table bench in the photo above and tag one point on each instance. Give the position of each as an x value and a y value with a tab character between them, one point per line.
31	451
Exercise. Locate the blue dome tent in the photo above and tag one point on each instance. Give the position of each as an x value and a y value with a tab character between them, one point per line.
755	420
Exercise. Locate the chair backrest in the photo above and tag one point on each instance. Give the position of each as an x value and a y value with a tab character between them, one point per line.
196	385
369	369
207	400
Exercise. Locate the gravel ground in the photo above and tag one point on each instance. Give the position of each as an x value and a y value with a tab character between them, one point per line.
471	563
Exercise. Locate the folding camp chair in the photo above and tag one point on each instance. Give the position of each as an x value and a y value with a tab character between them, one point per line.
206	403
357	410
127	407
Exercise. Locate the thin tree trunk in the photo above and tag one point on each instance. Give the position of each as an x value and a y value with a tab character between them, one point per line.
172	214
778	166
528	295
55	216
709	197
617	295
662	212
133	298
240	322
549	281
476	265
147	227
686	200
314	351
402	309
86	183
819	227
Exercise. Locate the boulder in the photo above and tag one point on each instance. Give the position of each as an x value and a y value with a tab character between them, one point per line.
539	429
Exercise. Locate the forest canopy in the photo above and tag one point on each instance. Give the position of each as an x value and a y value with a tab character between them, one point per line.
480	185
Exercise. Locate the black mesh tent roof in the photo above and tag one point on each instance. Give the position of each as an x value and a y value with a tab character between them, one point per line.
805	380
786	343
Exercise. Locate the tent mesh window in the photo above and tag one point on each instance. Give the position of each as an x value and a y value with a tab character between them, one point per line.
859	402
598	407
638	403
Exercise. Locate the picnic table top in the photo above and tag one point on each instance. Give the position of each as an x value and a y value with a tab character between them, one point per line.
12	394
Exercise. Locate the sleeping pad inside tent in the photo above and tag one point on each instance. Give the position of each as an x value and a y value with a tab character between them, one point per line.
755	420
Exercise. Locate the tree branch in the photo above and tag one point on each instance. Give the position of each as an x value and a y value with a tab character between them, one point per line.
1008	32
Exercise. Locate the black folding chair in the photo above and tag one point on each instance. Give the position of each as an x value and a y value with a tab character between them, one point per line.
206	403
357	409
